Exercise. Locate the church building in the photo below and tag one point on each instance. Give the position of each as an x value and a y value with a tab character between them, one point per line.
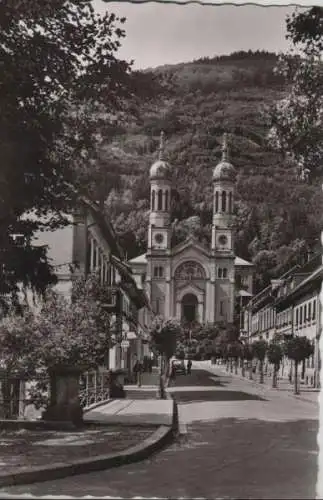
189	281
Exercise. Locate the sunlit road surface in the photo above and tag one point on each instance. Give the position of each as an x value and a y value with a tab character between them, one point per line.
241	442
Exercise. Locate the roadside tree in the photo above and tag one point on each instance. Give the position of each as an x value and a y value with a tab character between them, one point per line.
298	349
164	337
275	354
259	348
19	341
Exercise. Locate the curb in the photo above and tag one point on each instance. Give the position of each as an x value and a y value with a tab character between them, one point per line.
162	436
179	427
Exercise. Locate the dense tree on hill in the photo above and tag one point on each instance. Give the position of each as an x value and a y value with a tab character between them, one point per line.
274	215
296	121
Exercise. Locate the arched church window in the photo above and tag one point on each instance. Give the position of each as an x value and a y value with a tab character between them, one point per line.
230	203
224	201
153	196
216	201
166	200
225	272
189	270
160	200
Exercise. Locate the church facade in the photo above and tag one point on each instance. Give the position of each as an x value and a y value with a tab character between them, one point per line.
191	282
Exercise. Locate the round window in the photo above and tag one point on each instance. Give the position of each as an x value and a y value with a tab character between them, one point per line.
159	238
223	239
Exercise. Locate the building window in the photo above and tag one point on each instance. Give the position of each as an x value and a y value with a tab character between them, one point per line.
296	318
153	197
216	201
222	272
301	315
221	308
309	311
314	310
189	270
166	200
230	203
160	200
157	306
224	201
305	313
158	272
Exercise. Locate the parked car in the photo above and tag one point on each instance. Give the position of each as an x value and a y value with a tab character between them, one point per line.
179	367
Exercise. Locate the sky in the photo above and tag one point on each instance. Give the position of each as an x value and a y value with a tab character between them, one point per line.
160	34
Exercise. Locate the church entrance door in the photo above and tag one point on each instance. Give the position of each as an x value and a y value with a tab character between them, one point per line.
189	308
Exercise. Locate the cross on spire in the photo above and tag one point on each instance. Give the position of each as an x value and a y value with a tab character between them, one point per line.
225	149
161	145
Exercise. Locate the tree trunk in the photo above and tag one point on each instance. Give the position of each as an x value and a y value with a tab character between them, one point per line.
236	361
261	369
161	387
243	371
250	370
227	365
296	384
231	365
275	373
6	396
303	369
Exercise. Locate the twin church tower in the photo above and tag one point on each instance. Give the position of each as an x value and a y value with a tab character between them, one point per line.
159	233
190	281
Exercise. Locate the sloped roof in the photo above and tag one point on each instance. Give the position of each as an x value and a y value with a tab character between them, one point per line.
244	293
238	261
314	280
141	259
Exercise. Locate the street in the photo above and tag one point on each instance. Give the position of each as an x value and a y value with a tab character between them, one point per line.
241	442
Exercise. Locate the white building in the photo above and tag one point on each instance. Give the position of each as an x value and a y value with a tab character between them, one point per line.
190	281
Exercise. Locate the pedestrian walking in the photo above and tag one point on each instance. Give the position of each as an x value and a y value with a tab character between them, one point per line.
189	367
173	372
136	371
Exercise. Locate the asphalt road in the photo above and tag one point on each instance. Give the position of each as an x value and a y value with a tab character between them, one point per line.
239	444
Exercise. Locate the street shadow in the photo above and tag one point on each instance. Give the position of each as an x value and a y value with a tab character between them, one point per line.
200	378
186	380
200	396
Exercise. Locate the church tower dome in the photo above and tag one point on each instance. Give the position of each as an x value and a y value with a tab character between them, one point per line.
224	171
223	193
160	169
160	202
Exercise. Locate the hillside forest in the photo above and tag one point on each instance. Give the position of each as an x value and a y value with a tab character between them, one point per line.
278	217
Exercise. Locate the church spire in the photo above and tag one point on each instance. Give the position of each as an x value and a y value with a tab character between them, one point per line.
162	146
225	149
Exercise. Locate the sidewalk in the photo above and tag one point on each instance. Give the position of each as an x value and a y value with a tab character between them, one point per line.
117	432
285	388
133	411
